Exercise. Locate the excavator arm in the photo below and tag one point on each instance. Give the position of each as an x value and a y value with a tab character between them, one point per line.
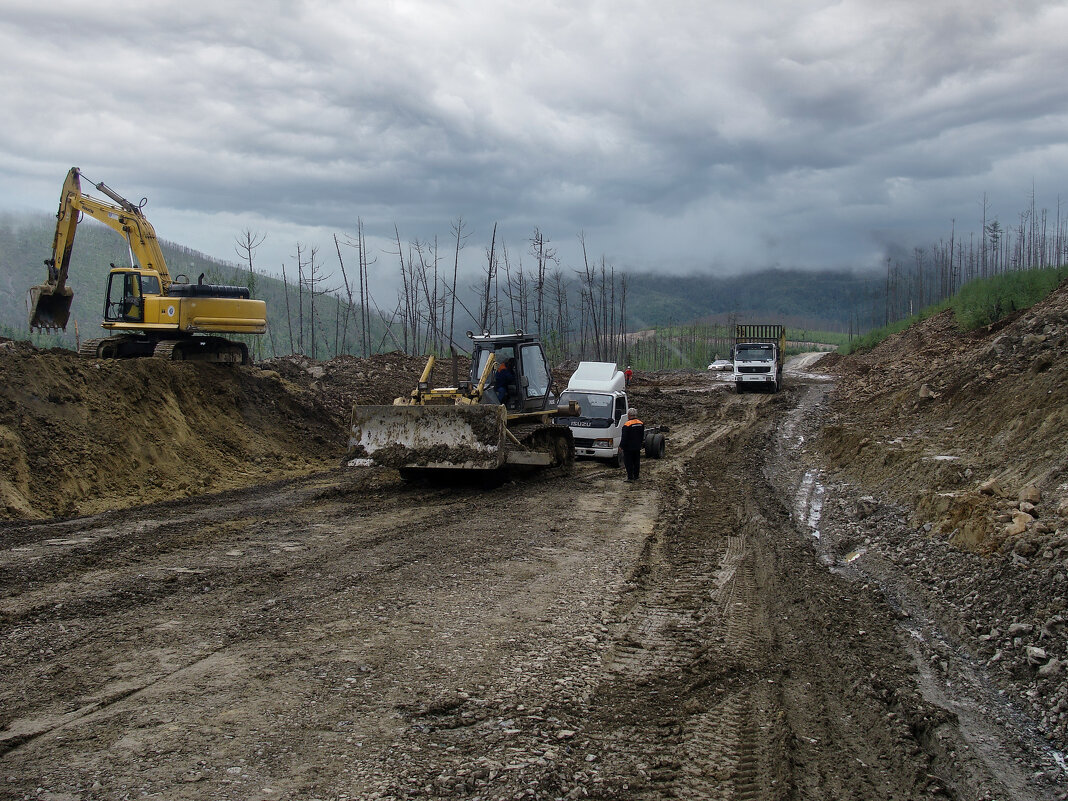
50	302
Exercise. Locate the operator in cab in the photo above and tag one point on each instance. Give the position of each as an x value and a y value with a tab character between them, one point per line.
505	377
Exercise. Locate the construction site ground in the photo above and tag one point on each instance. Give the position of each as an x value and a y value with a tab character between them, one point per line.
853	589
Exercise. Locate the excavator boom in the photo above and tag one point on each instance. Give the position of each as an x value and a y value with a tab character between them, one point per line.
50	302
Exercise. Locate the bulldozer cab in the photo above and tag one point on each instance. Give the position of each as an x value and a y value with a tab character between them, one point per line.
525	382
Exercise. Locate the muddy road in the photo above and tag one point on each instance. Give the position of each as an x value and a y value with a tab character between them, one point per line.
703	634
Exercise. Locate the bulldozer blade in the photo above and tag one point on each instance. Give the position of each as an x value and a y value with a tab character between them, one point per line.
49	309
470	437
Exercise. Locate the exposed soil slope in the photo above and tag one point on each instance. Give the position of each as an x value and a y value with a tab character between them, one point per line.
80	436
950	455
964	427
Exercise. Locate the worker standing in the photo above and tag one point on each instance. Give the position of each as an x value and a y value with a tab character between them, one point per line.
631	442
628	374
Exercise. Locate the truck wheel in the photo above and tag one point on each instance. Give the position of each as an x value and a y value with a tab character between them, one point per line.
740	386
615	461
658	446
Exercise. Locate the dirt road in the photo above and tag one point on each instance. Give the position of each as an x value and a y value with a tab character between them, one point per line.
703	634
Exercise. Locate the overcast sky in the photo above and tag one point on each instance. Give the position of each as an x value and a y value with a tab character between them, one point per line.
675	134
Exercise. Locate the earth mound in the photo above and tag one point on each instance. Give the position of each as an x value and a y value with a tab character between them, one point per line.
81	436
968	429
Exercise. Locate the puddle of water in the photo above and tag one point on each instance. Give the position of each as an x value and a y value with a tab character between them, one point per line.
809	502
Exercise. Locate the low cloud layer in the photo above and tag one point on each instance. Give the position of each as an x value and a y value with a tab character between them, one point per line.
675	135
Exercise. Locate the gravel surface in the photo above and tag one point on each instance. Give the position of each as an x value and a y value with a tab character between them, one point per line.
774	611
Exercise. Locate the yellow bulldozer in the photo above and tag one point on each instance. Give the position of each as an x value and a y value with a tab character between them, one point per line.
146	311
499	421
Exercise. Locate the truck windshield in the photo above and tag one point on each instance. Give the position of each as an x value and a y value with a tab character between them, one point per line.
744	354
592	404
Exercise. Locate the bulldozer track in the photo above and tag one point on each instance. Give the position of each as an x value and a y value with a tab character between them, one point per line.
548	438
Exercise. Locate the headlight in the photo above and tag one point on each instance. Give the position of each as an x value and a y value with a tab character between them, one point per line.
602	443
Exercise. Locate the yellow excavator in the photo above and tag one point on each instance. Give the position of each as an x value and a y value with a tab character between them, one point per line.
146	311
498	422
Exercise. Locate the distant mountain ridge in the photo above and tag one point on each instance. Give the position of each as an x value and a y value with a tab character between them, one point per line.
824	300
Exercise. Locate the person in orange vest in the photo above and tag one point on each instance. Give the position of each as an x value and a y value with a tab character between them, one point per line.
631	442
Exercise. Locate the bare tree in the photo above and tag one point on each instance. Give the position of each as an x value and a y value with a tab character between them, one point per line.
491	271
543	256
245	246
461	238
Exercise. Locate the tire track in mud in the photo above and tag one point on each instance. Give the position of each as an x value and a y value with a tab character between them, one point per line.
689	663
126	588
744	669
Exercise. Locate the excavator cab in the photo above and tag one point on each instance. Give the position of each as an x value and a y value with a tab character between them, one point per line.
125	301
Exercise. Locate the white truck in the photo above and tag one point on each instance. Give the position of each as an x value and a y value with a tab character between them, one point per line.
600	391
758	352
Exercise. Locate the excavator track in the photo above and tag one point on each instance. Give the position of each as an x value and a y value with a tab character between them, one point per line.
208	349
165	349
103	348
90	348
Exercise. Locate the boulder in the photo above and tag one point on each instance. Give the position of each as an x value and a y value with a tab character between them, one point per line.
1052	668
1035	654
1030	494
992	487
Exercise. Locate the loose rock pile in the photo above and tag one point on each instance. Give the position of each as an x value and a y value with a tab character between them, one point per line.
962	441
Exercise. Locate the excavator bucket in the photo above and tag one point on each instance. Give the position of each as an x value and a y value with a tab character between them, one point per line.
462	437
49	307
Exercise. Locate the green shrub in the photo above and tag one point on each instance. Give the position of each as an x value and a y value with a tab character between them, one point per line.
987	300
978	303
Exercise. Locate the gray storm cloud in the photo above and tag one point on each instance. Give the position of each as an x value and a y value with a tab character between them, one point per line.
676	135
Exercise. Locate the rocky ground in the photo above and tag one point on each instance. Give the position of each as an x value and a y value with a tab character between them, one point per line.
960	444
852	589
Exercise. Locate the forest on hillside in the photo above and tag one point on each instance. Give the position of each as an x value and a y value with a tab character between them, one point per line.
322	305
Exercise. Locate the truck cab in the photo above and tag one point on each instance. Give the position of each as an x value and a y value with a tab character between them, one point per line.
599	390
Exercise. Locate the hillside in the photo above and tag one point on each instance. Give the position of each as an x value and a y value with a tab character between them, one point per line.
978	419
959	443
803	300
814	300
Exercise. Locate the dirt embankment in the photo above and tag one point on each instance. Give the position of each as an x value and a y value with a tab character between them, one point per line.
969	429
79	436
957	446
